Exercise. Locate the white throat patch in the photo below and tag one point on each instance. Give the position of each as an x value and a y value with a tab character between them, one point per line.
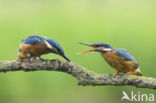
108	49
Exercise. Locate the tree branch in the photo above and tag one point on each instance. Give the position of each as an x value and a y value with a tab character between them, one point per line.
83	76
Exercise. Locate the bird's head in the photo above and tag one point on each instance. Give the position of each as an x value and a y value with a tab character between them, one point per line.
54	47
98	47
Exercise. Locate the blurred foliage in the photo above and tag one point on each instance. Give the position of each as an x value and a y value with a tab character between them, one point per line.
129	24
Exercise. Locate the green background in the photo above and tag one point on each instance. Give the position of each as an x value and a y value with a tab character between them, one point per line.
129	24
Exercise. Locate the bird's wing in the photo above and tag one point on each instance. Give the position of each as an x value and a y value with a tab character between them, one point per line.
55	44
32	40
125	54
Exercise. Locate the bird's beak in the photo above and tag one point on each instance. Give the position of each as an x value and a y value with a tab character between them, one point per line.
88	50
85	44
65	57
91	45
96	50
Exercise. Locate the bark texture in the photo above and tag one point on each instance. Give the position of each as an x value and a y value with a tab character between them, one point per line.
83	76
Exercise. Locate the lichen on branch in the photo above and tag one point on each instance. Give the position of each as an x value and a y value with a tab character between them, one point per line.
83	76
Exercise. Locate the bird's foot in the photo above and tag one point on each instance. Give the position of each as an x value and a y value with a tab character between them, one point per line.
32	58
40	58
116	74
128	73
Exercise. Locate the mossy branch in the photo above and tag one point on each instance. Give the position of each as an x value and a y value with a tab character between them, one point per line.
83	76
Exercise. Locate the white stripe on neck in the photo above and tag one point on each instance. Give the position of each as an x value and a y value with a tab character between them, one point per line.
48	45
107	49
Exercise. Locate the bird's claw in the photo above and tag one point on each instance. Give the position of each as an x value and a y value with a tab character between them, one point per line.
116	74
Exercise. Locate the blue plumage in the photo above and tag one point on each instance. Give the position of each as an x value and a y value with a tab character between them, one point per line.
39	45
19	50
124	54
55	44
102	45
119	59
32	40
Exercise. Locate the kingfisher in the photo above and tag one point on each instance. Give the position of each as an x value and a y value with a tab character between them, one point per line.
119	59
35	46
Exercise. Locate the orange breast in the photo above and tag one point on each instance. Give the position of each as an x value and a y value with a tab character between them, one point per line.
119	63
34	50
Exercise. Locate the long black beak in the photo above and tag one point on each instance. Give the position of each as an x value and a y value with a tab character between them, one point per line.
65	57
85	44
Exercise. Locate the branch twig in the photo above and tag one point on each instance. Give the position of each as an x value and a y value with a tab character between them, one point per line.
83	76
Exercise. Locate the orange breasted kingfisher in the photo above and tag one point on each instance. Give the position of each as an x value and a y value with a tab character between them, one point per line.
35	46
119	59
